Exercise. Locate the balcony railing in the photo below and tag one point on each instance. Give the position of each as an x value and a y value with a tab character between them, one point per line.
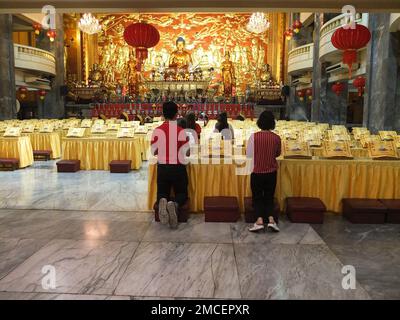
326	47
31	58
301	58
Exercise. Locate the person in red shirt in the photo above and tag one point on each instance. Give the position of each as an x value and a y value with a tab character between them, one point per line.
170	143
264	147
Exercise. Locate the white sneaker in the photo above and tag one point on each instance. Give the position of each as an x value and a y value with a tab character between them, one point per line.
256	227
162	211
273	227
173	217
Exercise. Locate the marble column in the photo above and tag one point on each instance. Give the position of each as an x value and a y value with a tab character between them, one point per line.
7	73
54	103
317	71
381	110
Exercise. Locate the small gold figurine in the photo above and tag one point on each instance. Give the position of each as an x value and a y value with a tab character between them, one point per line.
228	75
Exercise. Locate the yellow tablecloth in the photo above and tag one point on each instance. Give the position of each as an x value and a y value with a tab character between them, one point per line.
144	146
97	153
19	147
329	180
46	141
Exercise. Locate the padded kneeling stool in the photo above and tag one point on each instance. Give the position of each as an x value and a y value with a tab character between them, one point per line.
41	155
364	211
68	165
305	210
9	164
393	210
250	214
221	209
120	166
183	212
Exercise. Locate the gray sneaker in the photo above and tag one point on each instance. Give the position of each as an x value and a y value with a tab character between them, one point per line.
173	217
162	211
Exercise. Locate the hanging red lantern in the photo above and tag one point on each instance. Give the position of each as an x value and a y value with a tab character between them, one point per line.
338	88
37	27
52	35
42	94
141	36
297	25
359	83
350	40
288	34
300	94
309	93
23	92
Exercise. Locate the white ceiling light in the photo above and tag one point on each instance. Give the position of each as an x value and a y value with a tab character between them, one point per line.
89	24
258	23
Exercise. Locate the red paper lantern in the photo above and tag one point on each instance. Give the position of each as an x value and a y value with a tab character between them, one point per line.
338	88
141	36
288	34
301	94
37	27
359	83
309	93
22	92
297	26
350	40
42	94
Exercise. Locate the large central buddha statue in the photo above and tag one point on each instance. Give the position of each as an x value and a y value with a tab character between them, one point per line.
180	58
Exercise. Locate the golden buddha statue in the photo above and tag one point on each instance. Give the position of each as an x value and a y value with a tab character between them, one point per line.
180	58
228	75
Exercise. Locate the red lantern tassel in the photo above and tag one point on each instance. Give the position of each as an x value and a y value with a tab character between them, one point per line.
349	57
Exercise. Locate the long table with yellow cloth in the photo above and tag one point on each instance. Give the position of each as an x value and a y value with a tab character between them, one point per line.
17	147
97	153
46	141
329	180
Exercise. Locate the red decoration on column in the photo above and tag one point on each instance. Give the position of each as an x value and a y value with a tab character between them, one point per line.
37	27
301	94
52	35
288	34
141	36
42	94
359	83
338	88
297	25
350	40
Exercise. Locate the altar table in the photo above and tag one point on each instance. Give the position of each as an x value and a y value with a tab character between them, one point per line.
97	153
329	180
46	141
19	148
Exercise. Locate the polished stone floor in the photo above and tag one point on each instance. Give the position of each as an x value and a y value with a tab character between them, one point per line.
93	229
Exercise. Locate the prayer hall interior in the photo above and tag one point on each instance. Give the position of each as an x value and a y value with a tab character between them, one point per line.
85	88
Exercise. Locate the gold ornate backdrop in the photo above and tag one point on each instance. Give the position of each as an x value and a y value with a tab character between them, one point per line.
207	36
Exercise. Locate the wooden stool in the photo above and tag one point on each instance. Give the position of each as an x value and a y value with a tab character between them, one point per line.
250	214
221	209
9	164
369	211
68	165
120	166
183	212
393	210
305	210
43	155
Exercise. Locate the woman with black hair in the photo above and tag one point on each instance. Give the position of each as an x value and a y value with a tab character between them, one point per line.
224	127
264	147
191	123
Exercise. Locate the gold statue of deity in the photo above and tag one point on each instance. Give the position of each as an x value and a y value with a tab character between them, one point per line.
228	75
180	58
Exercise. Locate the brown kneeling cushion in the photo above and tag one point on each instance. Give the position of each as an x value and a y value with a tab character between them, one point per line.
68	165
120	166
183	212
221	209
41	154
305	210
9	164
393	210
364	211
250	215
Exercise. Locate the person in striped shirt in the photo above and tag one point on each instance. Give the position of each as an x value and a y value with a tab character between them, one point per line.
263	148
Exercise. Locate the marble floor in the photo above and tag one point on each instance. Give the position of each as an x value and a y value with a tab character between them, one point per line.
93	229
